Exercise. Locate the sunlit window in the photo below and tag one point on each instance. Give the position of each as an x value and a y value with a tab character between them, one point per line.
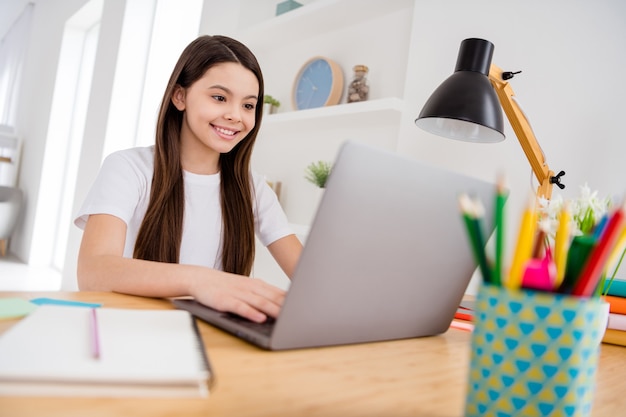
154	32
12	53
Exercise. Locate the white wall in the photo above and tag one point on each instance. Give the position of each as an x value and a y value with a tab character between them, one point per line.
571	54
10	10
572	89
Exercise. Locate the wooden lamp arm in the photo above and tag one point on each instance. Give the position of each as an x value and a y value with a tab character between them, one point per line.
524	133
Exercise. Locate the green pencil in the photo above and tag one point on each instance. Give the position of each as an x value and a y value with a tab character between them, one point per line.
499	223
472	215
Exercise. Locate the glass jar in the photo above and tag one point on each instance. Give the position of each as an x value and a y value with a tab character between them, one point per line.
359	89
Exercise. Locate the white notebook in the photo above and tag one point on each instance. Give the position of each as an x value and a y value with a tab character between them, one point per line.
52	352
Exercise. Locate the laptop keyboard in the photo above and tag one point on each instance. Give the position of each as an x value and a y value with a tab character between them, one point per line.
264	328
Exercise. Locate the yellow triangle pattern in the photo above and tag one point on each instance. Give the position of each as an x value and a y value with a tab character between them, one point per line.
533	354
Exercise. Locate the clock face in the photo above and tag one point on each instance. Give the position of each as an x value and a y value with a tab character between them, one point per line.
319	83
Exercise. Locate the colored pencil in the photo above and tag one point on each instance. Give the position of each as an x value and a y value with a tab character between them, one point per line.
472	213
479	225
95	334
592	271
499	222
615	260
561	243
599	229
617	252
539	246
524	247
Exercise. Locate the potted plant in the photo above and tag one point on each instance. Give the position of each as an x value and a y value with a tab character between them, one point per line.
318	172
270	104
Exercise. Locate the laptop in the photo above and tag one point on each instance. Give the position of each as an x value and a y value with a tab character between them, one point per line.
387	257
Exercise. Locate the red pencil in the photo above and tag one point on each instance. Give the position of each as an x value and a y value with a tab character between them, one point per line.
592	271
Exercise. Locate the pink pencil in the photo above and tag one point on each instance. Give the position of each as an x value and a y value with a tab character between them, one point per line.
95	335
591	273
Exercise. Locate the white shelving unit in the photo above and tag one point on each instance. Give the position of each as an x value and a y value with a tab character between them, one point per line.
351	32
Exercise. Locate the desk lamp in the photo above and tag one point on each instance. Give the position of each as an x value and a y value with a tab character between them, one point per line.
468	106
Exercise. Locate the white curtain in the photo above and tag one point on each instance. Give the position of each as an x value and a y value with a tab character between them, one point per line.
12	54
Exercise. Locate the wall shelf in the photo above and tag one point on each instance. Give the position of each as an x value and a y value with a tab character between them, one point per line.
318	17
387	111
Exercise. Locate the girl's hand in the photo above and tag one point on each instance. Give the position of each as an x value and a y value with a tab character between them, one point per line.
251	298
102	267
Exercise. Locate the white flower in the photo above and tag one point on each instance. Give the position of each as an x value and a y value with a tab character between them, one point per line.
586	212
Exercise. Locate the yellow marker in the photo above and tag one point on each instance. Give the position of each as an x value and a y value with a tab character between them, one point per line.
524	248
561	244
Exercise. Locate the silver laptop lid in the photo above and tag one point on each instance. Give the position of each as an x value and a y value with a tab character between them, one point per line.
387	256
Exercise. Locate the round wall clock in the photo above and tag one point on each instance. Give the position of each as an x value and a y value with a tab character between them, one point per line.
318	83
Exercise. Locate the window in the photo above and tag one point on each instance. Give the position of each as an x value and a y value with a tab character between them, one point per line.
12	52
65	135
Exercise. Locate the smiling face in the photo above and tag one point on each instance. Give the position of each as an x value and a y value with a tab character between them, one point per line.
219	112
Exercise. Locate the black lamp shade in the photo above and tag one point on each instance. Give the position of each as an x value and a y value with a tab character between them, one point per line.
465	106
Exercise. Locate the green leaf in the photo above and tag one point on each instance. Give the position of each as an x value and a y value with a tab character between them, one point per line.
587	222
318	172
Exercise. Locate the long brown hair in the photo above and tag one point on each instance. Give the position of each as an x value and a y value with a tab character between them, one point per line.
160	234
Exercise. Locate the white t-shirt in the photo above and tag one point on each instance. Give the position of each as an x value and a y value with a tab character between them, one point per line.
122	189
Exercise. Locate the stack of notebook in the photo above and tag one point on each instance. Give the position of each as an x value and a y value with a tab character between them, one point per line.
616	331
465	312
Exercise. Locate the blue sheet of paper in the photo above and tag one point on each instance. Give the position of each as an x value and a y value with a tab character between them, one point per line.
54	301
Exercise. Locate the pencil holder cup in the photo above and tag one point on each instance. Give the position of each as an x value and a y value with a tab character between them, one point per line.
533	353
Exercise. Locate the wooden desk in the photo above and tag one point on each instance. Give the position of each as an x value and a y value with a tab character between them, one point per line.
415	377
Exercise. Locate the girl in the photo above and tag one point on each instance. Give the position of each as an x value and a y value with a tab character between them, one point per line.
179	218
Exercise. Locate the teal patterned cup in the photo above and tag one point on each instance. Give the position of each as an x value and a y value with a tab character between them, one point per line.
533	353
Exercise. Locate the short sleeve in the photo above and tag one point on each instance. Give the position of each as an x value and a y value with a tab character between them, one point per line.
121	187
270	219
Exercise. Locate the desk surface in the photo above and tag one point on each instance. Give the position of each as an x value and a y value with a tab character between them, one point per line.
414	377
